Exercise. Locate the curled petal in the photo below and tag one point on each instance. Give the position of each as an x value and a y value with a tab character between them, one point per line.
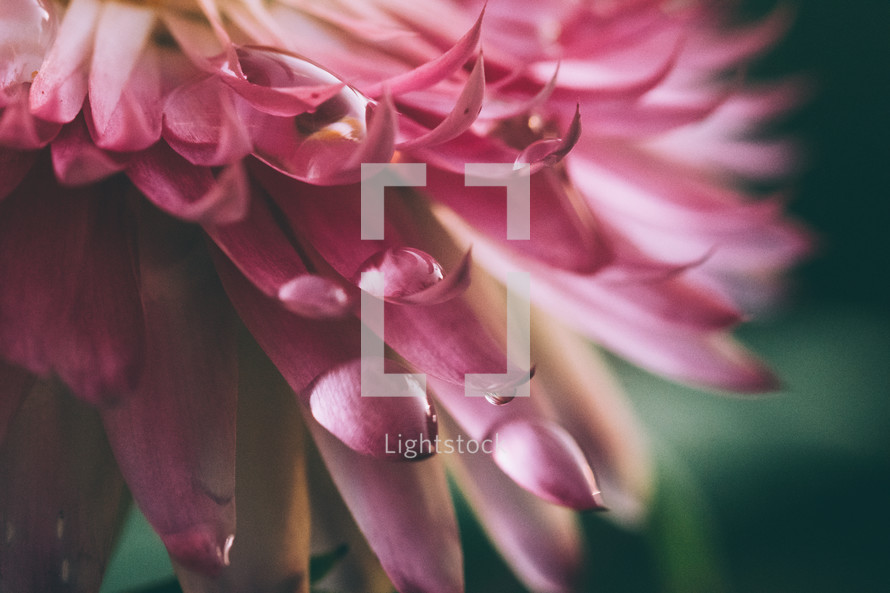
277	83
547	153
398	506
460	118
435	70
174	438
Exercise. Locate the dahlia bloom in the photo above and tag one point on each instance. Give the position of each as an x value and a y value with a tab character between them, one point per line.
181	228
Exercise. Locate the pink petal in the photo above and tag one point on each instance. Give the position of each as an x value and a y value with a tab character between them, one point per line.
189	191
428	74
527	445
262	252
201	122
70	303
460	118
60	86
61	496
77	160
547	153
21	130
123	31
27	28
330	220
541	542
135	121
561	234
14	166
174	438
405	512
276	82
320	361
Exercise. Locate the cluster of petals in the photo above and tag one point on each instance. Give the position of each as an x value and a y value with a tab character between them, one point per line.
181	228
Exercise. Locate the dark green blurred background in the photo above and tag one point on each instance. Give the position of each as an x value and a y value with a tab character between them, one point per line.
784	494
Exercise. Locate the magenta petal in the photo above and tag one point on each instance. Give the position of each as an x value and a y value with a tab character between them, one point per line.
77	160
69	303
175	437
189	191
61	496
544	459
372	425
435	70
405	512
460	118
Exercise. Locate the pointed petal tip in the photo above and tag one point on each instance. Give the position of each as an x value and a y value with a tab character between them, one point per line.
545	460
200	549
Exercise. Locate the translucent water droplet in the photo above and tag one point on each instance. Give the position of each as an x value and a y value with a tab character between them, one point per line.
500	398
398	272
27	29
314	296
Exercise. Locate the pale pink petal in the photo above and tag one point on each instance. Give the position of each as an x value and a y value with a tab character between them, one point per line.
202	123
174	438
405	512
62	499
21	130
122	33
60	86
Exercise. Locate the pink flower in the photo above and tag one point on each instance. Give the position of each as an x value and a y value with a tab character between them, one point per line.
172	170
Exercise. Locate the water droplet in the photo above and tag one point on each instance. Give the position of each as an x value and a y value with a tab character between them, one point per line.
398	272
314	296
227	547
60	527
30	29
10	531
65	573
499	399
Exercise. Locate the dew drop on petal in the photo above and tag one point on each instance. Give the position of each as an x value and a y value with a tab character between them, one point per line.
27	29
398	272
500	398
314	296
